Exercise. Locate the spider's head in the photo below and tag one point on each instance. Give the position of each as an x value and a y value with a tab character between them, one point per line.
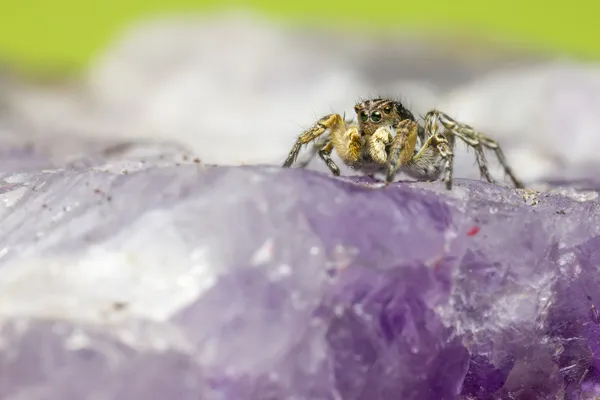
374	113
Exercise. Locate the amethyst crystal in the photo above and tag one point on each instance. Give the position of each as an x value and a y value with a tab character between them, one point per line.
188	282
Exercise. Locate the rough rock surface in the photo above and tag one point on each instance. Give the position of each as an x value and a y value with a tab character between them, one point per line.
128	279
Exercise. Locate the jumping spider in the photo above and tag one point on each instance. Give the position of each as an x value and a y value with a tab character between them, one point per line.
388	139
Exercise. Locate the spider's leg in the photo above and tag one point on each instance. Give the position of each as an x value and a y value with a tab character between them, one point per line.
446	153
314	150
436	120
492	144
330	121
435	147
402	148
325	154
346	141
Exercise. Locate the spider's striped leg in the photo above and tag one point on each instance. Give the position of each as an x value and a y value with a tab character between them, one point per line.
435	120
325	154
447	155
331	121
492	144
435	147
402	147
314	150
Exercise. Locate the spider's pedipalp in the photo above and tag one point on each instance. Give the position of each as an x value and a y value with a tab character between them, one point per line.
378	142
436	120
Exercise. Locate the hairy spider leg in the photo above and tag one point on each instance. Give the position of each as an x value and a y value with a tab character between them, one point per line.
434	119
322	148
435	146
345	139
325	154
493	145
402	147
318	144
441	144
477	140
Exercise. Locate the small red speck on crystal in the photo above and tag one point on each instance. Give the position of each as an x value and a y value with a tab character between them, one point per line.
474	230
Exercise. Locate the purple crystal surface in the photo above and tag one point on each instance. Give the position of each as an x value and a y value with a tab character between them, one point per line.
263	283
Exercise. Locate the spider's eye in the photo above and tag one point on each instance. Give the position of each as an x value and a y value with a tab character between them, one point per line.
364	117
375	116
387	109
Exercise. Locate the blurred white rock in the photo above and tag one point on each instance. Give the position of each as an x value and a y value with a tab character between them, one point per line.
547	114
238	89
235	89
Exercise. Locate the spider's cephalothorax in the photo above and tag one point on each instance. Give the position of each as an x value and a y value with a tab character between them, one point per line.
388	139
375	113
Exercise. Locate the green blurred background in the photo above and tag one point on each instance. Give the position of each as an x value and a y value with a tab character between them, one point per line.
65	34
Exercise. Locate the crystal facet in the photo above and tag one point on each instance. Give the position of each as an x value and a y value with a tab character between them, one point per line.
184	281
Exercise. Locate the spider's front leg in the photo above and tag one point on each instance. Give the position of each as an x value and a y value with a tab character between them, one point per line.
325	154
309	135
331	121
436	120
345	140
402	148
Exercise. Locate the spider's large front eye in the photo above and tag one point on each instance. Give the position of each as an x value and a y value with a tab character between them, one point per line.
375	116
364	117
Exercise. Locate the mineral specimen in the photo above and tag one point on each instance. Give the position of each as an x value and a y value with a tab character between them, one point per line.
228	283
137	272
